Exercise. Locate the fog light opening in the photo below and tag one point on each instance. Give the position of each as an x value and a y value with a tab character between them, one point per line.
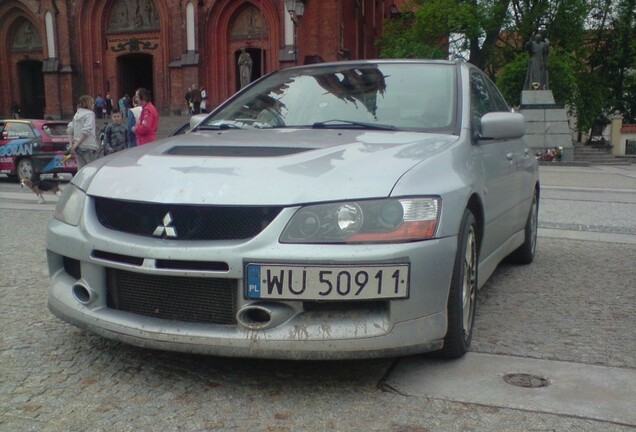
81	294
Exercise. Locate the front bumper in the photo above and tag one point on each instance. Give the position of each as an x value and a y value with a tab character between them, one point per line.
416	324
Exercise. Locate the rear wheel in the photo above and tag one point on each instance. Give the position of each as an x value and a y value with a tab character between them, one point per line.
524	254
26	170
463	291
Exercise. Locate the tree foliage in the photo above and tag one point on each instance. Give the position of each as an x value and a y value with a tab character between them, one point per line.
592	60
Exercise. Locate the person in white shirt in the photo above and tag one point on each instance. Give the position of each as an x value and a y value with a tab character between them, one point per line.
81	131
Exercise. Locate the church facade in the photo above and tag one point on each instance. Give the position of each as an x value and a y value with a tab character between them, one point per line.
53	51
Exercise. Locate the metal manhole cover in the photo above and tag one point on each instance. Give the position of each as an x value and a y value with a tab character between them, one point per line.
526	380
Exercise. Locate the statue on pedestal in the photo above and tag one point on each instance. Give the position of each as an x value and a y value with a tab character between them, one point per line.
537	74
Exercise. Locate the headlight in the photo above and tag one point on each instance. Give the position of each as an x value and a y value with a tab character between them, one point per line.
70	205
369	221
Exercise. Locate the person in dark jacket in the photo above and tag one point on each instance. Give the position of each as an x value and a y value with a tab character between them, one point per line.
116	134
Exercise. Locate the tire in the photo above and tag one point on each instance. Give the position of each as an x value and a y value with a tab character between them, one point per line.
524	254
26	170
463	291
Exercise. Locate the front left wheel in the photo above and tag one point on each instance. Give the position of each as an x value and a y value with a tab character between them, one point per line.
463	291
26	170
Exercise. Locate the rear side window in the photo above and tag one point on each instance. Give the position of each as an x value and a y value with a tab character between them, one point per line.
18	130
54	129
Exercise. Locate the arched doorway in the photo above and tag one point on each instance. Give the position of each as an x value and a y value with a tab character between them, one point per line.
31	82
250	24
135	48
134	71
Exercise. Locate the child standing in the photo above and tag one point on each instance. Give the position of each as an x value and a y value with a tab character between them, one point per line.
116	134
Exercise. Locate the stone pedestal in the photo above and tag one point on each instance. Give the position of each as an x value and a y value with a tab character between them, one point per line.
546	123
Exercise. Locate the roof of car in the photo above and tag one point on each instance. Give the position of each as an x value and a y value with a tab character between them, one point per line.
379	61
33	121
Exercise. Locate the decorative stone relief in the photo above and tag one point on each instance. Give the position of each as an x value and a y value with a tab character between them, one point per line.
26	38
133	15
249	24
133	45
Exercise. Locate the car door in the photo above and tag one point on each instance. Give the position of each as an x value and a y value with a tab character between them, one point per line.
18	143
522	182
497	166
6	162
3	133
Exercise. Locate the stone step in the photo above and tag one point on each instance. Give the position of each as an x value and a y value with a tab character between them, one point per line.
596	155
604	161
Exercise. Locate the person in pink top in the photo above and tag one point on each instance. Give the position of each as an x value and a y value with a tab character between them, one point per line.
146	130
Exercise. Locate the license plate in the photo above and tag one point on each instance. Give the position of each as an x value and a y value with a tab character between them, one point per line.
298	282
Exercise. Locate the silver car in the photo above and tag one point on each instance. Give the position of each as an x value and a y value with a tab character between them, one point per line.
336	210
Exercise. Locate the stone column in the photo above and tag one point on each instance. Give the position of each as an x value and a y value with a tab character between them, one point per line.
618	144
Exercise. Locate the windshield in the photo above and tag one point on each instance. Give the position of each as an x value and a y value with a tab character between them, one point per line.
393	96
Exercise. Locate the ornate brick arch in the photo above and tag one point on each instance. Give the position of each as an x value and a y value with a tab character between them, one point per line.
218	53
99	49
14	14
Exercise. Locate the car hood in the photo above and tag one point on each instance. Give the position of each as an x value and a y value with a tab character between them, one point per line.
267	167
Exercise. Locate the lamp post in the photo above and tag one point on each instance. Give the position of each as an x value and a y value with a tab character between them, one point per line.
296	9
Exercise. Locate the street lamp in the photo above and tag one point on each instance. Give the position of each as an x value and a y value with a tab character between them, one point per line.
296	8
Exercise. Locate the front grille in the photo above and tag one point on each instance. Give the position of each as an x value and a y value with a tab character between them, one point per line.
192	299
118	258
188	222
362	307
217	266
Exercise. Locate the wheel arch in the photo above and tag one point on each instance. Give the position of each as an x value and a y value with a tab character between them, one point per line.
476	206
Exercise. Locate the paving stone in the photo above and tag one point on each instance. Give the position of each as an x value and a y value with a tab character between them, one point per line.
575	303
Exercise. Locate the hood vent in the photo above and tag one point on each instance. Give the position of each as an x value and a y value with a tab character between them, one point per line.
234	151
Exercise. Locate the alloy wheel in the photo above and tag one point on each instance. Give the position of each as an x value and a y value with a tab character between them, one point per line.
469	288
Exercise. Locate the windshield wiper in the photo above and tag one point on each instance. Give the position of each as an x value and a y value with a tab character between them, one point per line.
218	126
335	123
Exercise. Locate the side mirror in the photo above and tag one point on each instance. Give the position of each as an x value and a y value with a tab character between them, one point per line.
502	125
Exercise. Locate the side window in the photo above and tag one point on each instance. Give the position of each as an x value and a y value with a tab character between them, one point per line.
497	98
18	130
480	100
54	129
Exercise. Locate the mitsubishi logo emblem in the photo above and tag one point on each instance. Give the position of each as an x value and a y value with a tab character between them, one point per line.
166	230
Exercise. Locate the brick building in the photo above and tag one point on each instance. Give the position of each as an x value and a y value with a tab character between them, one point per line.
53	51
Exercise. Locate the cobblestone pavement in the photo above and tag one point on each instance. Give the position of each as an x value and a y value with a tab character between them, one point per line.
576	303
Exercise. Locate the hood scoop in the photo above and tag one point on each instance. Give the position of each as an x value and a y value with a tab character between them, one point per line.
234	151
